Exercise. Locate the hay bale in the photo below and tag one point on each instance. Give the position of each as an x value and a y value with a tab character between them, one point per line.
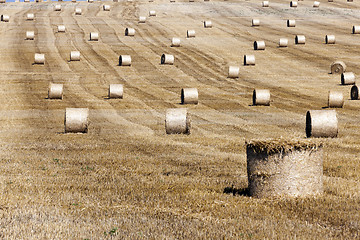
330	39
249	60
335	99
284	168
57	7
321	123
74	56
76	120
116	91
207	24
349	0
90	1
233	72
293	4
189	96
175	42
255	22
261	97
177	121
190	33
348	78
290	23
283	42
74	1
94	36
356	29
167	59
354	93
130	32
330	0
5	18
39	58
61	28
338	67
55	91
316	4
30	35
265	4
30	17
106	7
259	45
78	11
125	60
300	39
142	19
152	13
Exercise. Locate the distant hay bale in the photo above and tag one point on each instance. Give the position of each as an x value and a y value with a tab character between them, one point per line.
30	16
354	93
283	42
293	4
175	42
172	1
152	13
190	33
57	7
233	72
30	35
330	0
280	168
55	91
265	4
2	1
5	18
191	0
255	22
125	60
106	7
78	11
39	58
130	32
261	97
356	29
76	120
348	78
249	60
335	99
177	121
74	56
90	1
291	23
300	39
330	39
321	123
116	91
259	45
316	4
142	19
94	36
189	96
338	67
61	28
167	59
349	0
207	24
74	1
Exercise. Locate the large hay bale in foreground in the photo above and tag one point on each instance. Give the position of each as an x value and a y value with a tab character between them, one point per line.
76	120
348	78
177	121
338	67
55	91
189	96
321	123
279	168
335	99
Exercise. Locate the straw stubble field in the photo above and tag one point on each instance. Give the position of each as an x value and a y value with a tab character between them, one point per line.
126	178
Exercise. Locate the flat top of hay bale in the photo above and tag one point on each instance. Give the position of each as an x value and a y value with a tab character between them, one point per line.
283	145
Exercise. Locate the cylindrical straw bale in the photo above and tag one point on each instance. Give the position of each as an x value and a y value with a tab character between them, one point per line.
207	24
116	91
293	4
283	42
130	32
189	96
348	78
233	72
335	99
259	45
177	121
265	4
172	1
354	93
321	123
57	7
338	67
30	16
349	0
30	35
330	0
142	19
5	18
190	33
152	13
76	120
106	7
175	42
284	168
167	59
356	29
125	60
261	97
291	23
330	39
39	58
255	22
55	91
61	28
249	59
78	11
316	4
74	1
74	56
94	36
90	1
300	39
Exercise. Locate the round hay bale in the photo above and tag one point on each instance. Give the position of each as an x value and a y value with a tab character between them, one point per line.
291	23
300	39
255	22
348	78
321	123
283	42
316	4
94	36
152	13
349	0
57	7
172	1
76	120
5	18
55	91
249	60
90	1
330	0
190	33
330	39
259	45
207	24
106	7
30	16
265	4
125	60
167	59
74	1
261	97
130	32
175	42
335	99
116	91
284	168
338	67
30	35
39	58
142	19
189	96
293	4
356	29
74	56
177	121
354	93
233	72
61	28
78	11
